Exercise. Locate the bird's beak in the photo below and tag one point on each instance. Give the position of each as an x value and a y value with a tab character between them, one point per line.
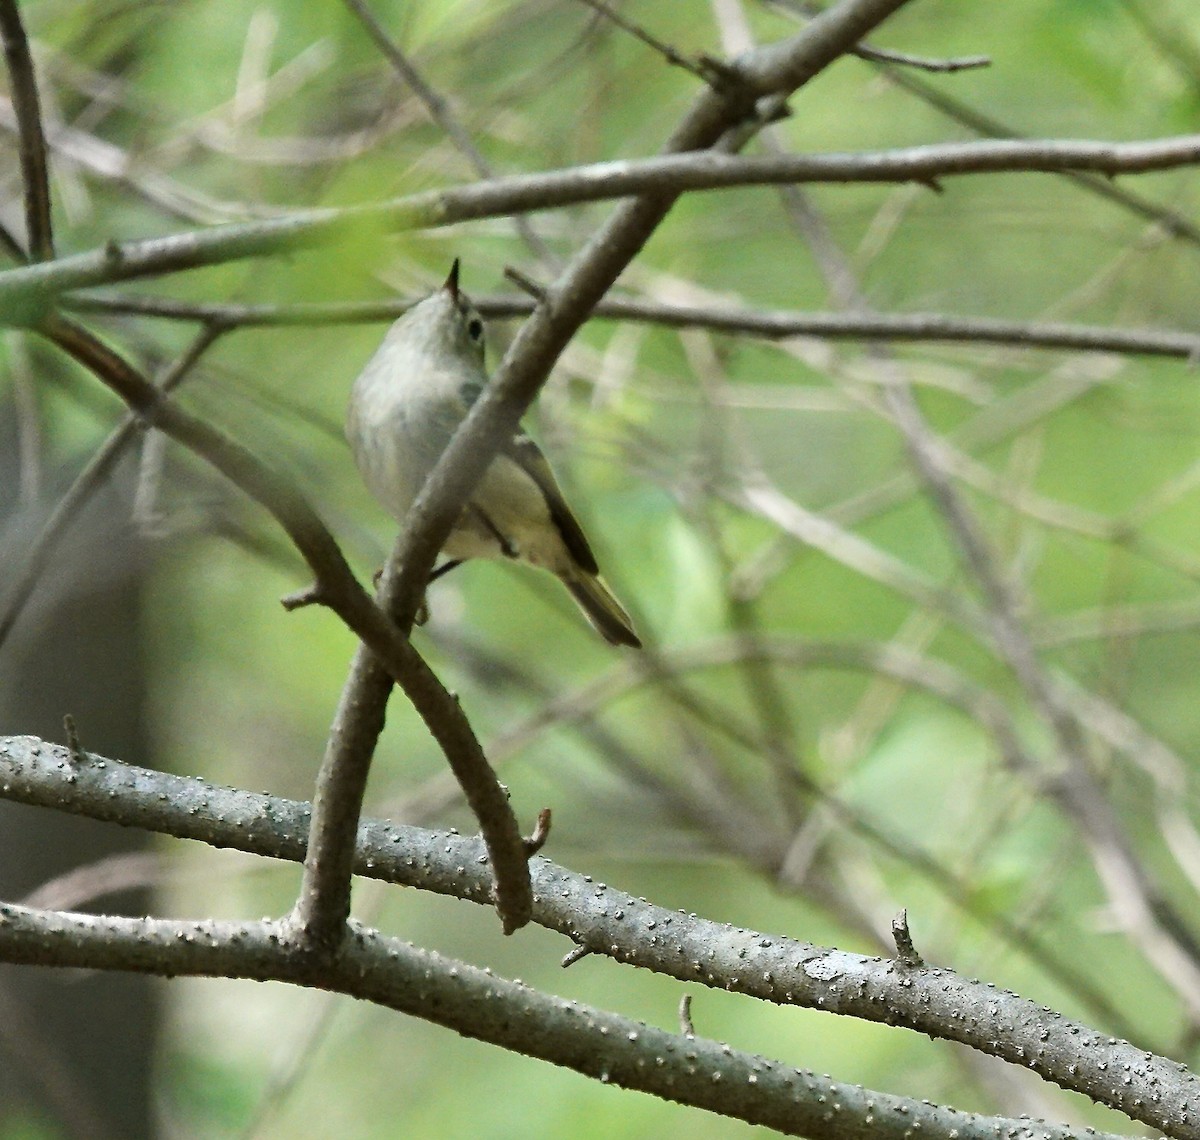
451	285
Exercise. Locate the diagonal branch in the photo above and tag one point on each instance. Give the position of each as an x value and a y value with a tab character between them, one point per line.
441	113
779	68
493	419
34	172
495	416
338	589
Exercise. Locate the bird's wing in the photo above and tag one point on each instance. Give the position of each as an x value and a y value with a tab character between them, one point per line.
528	456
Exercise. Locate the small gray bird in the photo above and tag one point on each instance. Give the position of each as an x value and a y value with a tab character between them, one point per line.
405	406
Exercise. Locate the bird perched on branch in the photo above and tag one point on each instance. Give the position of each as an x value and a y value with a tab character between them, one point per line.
404	408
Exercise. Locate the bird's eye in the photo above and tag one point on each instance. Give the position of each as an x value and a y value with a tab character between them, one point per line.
475	328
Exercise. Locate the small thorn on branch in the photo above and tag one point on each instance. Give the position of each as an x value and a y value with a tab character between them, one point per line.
74	748
685	1016
576	955
310	596
541	832
906	952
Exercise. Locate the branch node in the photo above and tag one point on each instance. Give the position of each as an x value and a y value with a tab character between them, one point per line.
535	842
718	74
685	1016
906	952
113	253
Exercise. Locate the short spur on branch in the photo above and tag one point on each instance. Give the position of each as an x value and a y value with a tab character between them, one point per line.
404	409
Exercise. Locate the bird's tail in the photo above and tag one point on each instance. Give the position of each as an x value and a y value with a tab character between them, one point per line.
602	609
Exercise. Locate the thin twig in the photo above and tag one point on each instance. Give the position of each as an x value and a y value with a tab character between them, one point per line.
710	71
685	1016
541	833
906	952
577	954
921	62
1172	221
771	324
34	171
441	113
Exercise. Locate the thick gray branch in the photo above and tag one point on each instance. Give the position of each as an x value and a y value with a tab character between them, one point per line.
607	921
476	1003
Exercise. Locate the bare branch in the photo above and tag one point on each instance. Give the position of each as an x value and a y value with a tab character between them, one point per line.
495	415
707	70
605	1046
602	919
1172	221
776	324
323	905
34	172
338	589
921	62
441	113
23	292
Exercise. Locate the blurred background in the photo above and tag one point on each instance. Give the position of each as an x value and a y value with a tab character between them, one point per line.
821	730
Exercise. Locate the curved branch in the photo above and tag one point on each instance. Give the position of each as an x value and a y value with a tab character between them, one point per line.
338	589
606	921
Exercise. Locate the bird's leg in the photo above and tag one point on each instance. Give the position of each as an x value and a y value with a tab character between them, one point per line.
506	547
444	568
